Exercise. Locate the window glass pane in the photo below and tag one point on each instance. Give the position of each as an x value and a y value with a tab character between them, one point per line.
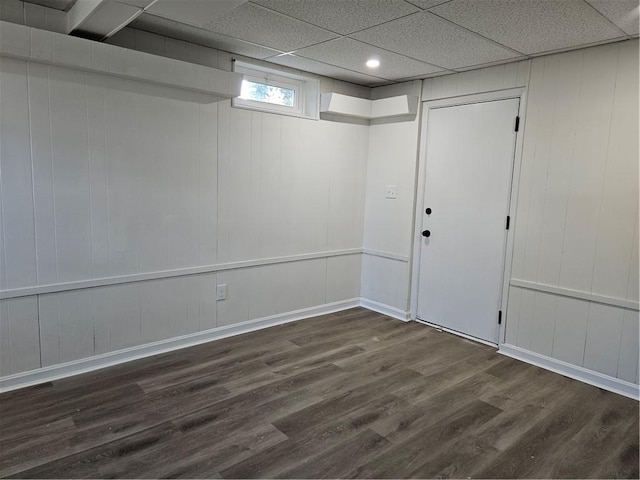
261	92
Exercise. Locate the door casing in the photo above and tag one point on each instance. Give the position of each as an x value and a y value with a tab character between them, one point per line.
519	93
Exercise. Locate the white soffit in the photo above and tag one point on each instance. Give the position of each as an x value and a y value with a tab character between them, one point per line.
352	54
193	12
56	4
624	13
425	37
99	19
532	26
341	16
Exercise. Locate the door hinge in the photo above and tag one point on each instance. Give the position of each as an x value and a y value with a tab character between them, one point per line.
517	123
508	222
500	317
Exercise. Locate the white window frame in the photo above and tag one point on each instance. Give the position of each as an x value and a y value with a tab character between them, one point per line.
306	96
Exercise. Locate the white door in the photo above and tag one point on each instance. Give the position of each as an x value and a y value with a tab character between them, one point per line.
469	164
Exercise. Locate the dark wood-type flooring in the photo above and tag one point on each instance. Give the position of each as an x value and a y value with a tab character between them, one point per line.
351	394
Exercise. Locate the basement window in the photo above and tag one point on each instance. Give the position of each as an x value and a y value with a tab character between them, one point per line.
269	90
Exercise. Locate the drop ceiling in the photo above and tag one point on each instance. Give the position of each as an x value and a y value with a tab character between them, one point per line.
411	38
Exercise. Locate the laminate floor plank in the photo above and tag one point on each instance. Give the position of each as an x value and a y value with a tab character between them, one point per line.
348	394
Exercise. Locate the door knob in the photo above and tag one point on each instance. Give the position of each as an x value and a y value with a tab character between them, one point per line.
428	211
426	233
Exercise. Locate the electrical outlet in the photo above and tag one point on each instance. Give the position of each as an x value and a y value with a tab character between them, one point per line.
221	292
392	191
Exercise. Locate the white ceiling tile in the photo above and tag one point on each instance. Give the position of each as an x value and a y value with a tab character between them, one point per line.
342	16
188	33
307	65
263	27
624	13
425	4
425	37
352	54
531	26
193	12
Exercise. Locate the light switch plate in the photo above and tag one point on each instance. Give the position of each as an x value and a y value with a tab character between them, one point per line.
392	191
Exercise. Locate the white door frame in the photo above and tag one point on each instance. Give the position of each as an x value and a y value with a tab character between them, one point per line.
519	93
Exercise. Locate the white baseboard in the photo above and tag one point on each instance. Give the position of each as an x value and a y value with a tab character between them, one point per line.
84	365
591	377
385	309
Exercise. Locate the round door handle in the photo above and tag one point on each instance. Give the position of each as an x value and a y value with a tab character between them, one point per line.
426	233
428	211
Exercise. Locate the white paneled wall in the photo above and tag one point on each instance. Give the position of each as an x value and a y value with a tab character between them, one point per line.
104	178
388	222
576	227
577	220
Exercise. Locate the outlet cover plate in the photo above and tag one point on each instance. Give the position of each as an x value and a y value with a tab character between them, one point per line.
221	292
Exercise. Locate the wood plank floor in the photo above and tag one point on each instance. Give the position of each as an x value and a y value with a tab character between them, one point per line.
353	394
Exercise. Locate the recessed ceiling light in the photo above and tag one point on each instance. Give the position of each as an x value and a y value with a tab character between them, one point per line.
373	63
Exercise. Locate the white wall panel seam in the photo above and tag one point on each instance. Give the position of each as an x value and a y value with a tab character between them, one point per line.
606	165
586	334
631	263
53	180
86	94
4	242
106	171
33	184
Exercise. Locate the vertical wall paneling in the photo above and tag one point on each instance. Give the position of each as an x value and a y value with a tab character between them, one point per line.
619	205
540	158
570	331
49	322
269	210
5	339
160	147
525	321
632	288
512	316
255	186
43	188
555	189
154	310
577	218
15	164
585	195
76	331
304	284
628	358
604	331
208	181
19	317
544	319
121	126
290	146
235	308
343	277
235	188
71	192
98	181
527	169
124	311
207	288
